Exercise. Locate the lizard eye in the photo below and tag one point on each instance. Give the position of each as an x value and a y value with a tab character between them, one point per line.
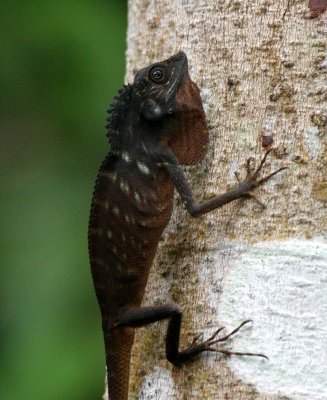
158	75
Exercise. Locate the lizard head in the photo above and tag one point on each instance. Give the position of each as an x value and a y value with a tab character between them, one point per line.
168	97
156	86
164	106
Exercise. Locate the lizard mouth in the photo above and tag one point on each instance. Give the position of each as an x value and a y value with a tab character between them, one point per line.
180	68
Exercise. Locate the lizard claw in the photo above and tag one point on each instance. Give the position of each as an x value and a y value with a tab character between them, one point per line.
200	335
196	340
238	176
251	195
255	174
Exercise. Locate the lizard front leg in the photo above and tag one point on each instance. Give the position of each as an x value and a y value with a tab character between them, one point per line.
243	190
136	317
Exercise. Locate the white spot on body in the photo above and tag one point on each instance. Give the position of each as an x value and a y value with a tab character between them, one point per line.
114	176
145	224
145	148
116	211
107	174
126	157
110	175
137	197
143	168
129	219
124	186
109	234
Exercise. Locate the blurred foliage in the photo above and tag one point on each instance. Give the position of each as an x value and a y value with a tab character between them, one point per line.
61	62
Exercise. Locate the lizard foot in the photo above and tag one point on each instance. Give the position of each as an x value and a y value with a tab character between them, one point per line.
207	345
252	180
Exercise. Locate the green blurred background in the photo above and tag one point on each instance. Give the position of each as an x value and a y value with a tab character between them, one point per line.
61	62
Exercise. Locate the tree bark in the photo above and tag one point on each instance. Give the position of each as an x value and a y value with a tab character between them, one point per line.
261	67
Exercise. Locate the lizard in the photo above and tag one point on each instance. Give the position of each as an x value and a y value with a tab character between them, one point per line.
155	125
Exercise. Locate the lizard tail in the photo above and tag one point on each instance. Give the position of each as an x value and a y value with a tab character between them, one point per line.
118	344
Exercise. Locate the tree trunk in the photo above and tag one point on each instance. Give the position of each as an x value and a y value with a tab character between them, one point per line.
261	67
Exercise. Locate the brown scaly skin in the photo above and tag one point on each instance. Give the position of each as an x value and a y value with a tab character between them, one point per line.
156	124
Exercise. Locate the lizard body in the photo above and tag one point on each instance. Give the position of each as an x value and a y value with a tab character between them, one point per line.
156	124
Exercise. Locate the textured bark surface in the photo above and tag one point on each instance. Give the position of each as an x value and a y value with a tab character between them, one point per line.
261	67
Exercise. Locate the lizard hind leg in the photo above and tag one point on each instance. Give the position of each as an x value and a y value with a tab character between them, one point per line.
136	317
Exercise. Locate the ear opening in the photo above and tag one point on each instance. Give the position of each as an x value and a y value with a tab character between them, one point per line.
151	110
